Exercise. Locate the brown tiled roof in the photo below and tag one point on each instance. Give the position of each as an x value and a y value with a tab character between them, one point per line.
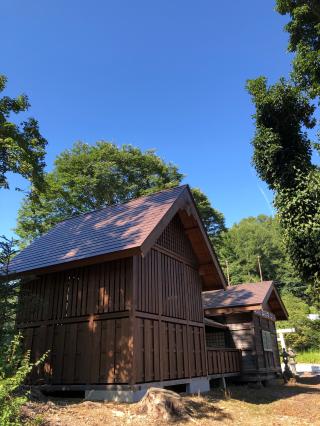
110	229
237	295
245	295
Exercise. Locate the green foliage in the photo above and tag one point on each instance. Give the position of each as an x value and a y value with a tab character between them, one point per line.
311	356
89	177
307	335
282	158
255	237
281	148
304	41
22	148
8	290
14	368
213	220
299	211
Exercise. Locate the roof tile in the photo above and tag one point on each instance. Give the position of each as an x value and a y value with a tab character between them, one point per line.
110	229
237	295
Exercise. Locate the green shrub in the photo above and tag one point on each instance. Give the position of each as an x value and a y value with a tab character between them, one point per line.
310	357
307	335
14	368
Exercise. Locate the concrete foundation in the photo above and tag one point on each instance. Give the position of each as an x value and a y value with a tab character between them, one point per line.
198	385
134	393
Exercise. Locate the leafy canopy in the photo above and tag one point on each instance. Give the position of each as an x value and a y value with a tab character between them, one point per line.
282	148
89	177
307	334
9	290
22	148
304	41
253	238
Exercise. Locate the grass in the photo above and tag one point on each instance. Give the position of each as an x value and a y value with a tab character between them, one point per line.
311	356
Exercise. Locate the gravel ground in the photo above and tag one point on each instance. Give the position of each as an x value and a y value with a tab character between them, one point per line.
278	404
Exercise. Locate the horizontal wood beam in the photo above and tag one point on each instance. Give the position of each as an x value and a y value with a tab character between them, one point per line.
217	311
146	315
71	320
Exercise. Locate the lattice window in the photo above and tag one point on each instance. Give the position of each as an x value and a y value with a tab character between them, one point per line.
216	339
174	239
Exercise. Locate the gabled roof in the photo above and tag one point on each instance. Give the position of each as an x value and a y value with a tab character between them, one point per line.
248	296
119	231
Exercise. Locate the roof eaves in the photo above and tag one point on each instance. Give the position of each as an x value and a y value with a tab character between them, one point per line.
151	239
208	242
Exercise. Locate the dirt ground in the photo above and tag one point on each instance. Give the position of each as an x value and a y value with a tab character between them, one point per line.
278	404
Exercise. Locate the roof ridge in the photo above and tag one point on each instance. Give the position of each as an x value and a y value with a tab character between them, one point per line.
234	286
120	204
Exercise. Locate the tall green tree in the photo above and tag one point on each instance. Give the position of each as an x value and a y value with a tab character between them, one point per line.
22	147
282	146
8	290
213	220
254	244
282	158
304	41
88	177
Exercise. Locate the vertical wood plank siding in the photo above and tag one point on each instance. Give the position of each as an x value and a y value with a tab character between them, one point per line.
170	338
180	287
89	290
268	360
181	346
104	325
67	314
82	352
224	361
246	330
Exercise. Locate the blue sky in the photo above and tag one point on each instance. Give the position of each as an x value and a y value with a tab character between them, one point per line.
163	74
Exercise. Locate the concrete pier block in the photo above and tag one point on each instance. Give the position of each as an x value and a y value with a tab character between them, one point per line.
198	385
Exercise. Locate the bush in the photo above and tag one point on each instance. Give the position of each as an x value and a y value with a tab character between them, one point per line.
309	357
14	368
307	335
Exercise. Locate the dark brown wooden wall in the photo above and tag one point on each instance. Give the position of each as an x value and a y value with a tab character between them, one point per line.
169	342
79	292
82	317
267	360
131	321
246	333
242	332
82	352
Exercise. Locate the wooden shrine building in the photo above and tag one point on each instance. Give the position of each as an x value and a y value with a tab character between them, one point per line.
115	296
249	312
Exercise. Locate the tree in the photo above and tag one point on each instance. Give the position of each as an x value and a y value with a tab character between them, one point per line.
213	220
89	177
282	147
8	290
282	158
257	240
304	41
22	148
307	334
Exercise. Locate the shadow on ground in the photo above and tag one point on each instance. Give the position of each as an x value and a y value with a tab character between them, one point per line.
203	408
276	391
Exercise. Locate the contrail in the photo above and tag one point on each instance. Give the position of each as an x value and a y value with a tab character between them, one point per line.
264	196
267	201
